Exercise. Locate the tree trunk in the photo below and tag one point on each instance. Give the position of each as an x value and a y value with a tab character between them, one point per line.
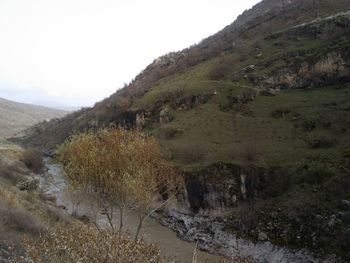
120	218
142	217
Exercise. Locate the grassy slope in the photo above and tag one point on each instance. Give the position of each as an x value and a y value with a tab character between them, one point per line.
305	132
16	117
207	134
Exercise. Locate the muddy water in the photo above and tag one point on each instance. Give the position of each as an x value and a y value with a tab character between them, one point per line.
178	250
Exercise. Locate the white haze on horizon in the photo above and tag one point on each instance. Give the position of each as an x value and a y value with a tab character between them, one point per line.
77	52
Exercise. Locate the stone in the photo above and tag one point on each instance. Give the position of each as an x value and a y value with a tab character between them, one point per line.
250	68
262	237
164	116
140	121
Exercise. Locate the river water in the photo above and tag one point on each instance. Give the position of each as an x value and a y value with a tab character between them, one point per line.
172	247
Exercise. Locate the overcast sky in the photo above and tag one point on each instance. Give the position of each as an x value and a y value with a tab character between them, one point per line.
77	52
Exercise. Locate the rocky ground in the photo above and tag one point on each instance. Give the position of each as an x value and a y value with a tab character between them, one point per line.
212	236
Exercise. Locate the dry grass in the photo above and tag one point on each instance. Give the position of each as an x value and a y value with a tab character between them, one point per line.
87	244
15	117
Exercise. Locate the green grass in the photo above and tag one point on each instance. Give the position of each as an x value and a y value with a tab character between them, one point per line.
255	133
209	135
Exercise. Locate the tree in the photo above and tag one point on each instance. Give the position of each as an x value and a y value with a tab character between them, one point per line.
124	167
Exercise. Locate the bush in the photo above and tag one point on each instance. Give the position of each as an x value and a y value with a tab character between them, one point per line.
18	220
14	221
247	95
280	112
309	124
318	175
32	160
321	141
87	244
221	70
169	132
10	173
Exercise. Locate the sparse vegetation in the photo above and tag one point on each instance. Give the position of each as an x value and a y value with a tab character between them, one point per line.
319	141
33	160
86	244
16	117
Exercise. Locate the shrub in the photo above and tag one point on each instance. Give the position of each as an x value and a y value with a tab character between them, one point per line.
16	219
309	124
32	160
280	112
321	141
10	173
87	244
318	175
220	70
247	95
170	132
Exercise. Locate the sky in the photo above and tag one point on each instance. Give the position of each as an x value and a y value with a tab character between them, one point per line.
77	52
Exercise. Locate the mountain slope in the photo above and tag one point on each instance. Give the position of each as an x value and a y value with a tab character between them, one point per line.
240	41
16	117
266	99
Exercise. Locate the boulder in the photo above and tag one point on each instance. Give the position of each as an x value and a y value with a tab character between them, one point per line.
164	116
140	120
250	68
262	237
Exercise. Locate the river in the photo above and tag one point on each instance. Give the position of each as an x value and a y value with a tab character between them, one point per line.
53	183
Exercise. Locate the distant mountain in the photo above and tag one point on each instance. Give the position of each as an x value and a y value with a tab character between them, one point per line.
15	116
57	105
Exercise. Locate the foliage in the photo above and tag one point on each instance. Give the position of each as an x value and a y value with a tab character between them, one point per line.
33	160
221	70
125	167
319	141
87	244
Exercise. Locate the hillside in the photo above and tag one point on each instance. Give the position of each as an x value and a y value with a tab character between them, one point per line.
16	117
263	104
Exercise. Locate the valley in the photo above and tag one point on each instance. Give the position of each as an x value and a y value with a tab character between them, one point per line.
254	124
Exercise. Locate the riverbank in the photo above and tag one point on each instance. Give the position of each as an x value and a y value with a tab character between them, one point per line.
86	207
211	236
175	232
